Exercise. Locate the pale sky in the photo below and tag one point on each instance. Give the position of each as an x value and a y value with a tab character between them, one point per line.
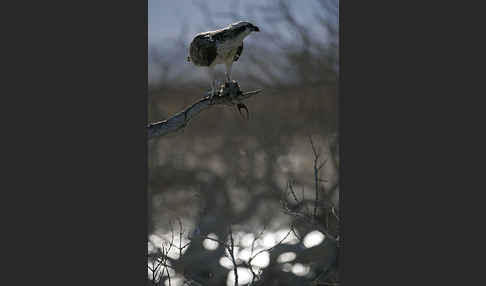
167	18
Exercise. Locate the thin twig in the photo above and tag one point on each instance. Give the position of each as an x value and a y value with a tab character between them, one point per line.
316	175
232	254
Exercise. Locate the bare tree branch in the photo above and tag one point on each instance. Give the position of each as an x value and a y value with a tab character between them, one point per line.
231	95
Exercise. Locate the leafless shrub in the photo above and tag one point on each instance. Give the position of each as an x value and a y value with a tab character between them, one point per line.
199	266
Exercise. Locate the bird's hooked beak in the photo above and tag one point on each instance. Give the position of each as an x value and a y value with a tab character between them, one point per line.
255	29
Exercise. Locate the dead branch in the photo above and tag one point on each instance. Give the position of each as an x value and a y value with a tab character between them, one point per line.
229	94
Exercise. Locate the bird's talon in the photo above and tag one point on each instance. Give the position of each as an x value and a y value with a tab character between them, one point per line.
243	106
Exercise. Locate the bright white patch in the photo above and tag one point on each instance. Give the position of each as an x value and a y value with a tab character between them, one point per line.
244	254
156	240
244	276
226	262
268	240
300	269
175	281
261	260
286	257
313	238
211	244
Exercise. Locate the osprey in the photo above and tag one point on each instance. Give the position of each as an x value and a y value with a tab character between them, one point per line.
223	46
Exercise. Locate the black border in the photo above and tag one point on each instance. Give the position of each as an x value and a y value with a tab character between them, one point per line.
74	194
393	57
74	200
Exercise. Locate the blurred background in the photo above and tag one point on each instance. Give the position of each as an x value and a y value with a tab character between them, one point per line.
270	183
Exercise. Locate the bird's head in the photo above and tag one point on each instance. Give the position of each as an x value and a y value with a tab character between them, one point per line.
244	28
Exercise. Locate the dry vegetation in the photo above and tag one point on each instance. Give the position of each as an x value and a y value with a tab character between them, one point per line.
232	181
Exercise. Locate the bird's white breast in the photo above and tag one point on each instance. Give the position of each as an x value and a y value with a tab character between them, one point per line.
226	50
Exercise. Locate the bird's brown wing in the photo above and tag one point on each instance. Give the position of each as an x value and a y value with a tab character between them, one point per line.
202	50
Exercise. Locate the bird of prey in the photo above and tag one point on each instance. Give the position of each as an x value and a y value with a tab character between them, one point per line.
223	46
